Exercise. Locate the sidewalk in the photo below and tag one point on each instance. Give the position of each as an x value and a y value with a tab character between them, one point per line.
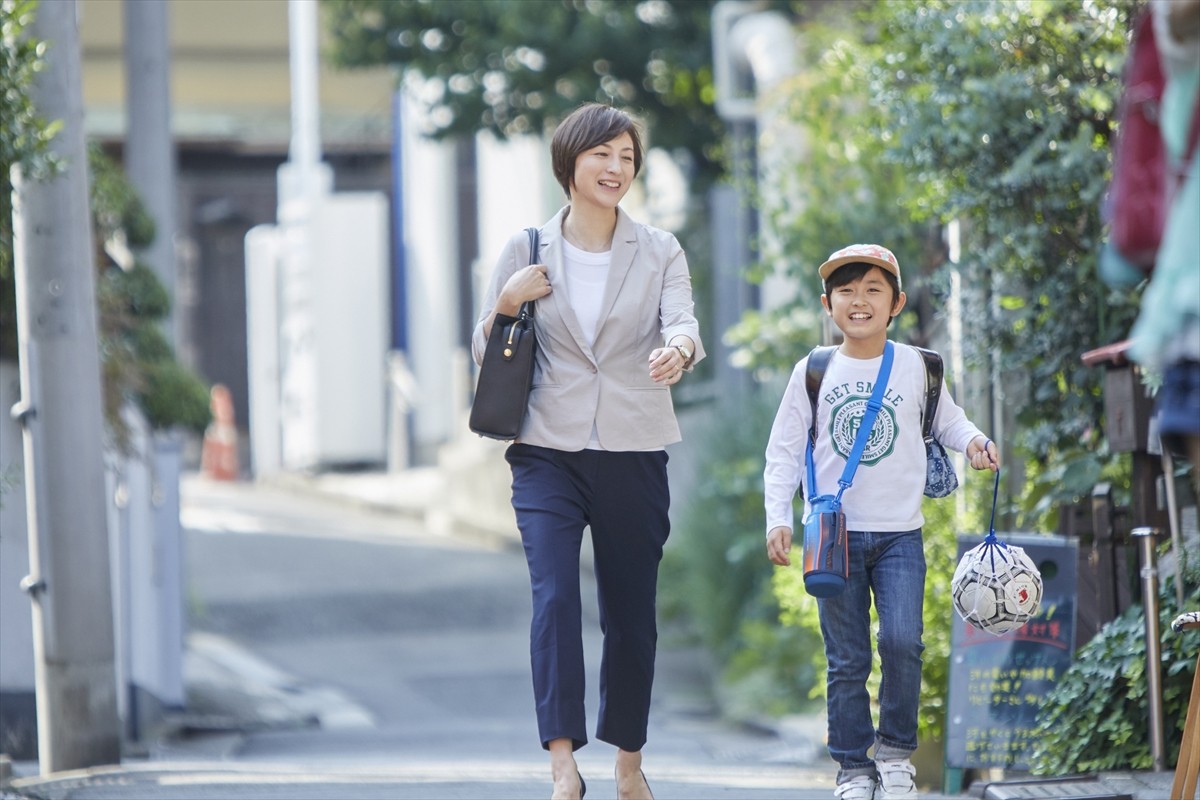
246	695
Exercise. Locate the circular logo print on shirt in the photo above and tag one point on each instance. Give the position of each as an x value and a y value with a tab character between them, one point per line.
844	421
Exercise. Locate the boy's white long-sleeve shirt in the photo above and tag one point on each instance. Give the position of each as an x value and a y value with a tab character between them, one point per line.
890	481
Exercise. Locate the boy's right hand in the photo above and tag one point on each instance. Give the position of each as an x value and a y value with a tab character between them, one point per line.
779	544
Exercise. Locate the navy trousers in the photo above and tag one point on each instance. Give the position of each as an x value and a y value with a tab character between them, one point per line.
624	497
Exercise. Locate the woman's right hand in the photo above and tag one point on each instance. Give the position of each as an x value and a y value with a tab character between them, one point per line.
528	283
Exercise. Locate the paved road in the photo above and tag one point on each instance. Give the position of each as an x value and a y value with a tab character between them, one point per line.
411	650
340	654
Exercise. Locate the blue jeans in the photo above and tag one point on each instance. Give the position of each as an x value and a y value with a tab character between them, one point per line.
890	566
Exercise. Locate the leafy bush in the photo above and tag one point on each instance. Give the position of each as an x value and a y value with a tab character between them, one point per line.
173	395
1096	717
138	363
717	579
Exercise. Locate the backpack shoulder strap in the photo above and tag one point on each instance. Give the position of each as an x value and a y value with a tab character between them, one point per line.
818	362
933	388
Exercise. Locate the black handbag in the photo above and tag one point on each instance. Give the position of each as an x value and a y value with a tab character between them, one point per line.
502	392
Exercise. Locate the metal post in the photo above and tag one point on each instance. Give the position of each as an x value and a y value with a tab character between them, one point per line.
1146	539
1168	462
60	411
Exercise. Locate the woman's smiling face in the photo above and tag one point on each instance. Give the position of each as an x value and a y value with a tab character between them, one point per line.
604	173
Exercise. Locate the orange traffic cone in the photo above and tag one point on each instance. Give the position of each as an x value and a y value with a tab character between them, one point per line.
219	458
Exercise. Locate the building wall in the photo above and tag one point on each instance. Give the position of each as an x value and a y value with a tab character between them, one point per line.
230	78
231	123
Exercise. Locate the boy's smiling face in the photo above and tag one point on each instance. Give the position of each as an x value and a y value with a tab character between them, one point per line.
863	308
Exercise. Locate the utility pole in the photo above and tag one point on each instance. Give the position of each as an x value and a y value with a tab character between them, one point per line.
149	156
60	412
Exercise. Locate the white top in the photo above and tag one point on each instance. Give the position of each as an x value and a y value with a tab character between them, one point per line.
890	481
587	274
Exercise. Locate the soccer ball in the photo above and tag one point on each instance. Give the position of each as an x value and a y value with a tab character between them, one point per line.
996	587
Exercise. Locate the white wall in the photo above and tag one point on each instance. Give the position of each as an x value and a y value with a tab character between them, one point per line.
431	257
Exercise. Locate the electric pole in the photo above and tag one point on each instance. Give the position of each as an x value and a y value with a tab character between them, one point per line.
149	155
60	412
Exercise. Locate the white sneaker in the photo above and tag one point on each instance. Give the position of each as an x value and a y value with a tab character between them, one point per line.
896	779
860	787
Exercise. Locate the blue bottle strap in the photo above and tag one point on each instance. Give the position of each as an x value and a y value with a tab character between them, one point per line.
874	404
868	421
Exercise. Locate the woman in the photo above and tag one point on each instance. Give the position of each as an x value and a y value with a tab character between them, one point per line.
615	330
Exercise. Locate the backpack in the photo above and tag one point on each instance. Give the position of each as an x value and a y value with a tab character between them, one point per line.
940	479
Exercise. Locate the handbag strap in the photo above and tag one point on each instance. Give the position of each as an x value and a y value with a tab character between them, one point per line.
534	245
874	404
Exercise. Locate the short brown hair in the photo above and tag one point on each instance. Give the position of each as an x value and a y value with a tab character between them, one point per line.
587	126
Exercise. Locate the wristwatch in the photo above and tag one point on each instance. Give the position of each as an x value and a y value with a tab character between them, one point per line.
685	352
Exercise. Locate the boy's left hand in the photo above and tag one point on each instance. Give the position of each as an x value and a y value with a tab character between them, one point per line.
982	454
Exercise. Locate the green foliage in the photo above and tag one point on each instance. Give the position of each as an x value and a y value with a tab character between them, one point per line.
840	190
994	114
141	291
10	478
1002	113
138	363
173	395
24	143
717	577
513	67
117	211
1095	719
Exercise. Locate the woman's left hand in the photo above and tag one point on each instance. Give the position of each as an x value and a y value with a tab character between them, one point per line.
666	365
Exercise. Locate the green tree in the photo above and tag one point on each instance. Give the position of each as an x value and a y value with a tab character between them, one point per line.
138	364
23	143
137	361
997	115
514	67
1001	113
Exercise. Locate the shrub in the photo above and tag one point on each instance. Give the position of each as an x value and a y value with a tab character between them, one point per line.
138	362
717	579
1096	717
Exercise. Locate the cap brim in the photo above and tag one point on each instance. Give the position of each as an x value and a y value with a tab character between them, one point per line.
831	266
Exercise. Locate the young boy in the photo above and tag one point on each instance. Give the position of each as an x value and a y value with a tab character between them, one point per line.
883	515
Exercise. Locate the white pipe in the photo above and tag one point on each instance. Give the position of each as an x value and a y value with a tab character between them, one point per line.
749	45
305	146
753	53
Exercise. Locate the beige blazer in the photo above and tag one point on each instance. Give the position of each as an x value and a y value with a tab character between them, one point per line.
647	301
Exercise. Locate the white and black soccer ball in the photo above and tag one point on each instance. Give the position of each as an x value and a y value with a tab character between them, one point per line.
996	587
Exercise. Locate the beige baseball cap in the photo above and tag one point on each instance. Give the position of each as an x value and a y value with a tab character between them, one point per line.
865	253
